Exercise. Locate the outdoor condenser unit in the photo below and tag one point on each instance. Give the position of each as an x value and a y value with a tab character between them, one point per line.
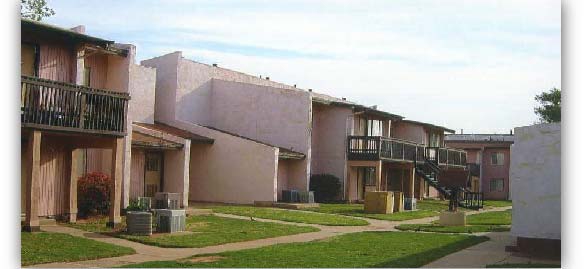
167	200
410	204
139	222
170	220
290	196
306	196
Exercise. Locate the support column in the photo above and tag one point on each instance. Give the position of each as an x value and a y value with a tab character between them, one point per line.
378	167
116	182
33	157
75	173
411	181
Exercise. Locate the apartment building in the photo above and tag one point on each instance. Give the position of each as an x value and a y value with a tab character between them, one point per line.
489	155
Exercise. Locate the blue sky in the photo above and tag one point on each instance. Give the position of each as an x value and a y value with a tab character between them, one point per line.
472	65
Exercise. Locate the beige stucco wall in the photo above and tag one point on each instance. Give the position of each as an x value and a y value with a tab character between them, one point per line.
176	171
535	178
232	170
331	125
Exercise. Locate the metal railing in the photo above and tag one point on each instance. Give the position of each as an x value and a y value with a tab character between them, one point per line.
446	156
48	104
377	147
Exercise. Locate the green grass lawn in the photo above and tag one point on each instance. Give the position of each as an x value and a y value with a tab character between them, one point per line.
207	231
484	222
44	247
365	249
495	203
290	215
523	265
425	208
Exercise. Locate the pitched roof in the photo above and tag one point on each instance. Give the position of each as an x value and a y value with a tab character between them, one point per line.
429	125
161	127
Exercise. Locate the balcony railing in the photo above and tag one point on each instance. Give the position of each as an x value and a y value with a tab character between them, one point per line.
446	156
384	148
47	104
378	148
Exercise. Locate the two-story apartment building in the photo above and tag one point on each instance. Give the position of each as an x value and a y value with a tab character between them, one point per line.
489	154
313	134
74	96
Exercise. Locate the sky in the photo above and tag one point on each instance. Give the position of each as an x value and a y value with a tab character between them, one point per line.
472	65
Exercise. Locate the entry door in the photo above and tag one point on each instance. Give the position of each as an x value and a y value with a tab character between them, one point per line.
153	173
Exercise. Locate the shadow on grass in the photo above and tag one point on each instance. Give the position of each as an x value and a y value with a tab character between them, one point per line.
425	257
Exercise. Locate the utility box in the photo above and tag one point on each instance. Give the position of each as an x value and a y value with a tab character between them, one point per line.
398	201
410	203
170	220
167	200
379	202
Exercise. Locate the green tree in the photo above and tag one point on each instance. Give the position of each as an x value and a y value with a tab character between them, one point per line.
550	108
35	9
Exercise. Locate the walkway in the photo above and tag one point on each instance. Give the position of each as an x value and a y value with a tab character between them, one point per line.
146	253
489	252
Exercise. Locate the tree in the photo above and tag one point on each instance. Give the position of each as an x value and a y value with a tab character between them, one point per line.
35	9
550	109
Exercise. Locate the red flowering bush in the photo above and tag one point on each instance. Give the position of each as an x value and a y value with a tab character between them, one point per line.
93	194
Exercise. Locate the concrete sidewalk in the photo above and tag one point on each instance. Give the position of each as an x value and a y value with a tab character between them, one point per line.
483	254
146	253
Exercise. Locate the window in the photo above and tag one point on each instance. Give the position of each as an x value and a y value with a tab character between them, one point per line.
497	158
374	127
29	59
496	184
434	140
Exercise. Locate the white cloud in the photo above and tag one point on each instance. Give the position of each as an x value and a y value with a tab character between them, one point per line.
463	64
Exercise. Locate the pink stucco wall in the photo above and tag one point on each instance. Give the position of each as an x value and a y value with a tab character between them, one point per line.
232	170
488	171
409	131
330	127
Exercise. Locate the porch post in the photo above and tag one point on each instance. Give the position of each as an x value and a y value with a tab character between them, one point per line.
348	183
116	182
33	156
411	181
378	166
75	173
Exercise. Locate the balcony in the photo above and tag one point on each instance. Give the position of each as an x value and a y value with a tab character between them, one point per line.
383	148
53	105
373	148
446	156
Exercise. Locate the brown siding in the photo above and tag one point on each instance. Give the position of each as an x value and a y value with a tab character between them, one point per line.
54	178
137	174
57	62
98	74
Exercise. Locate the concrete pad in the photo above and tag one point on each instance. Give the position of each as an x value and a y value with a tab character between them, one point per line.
448	218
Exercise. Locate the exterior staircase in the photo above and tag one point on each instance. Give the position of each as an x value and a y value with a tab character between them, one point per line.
430	171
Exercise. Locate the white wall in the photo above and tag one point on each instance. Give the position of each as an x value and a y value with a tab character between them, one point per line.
535	179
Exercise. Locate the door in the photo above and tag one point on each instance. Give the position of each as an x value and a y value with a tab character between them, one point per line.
153	173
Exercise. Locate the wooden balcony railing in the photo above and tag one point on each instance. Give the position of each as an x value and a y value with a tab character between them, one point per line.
377	148
384	148
446	156
47	104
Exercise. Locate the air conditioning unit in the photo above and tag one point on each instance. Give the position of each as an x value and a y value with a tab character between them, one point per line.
145	203
139	222
306	197
167	200
290	196
410	203
170	220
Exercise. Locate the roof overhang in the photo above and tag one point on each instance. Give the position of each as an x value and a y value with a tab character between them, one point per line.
168	132
430	126
43	31
286	154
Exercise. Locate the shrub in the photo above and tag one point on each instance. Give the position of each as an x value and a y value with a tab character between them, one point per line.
326	187
93	194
